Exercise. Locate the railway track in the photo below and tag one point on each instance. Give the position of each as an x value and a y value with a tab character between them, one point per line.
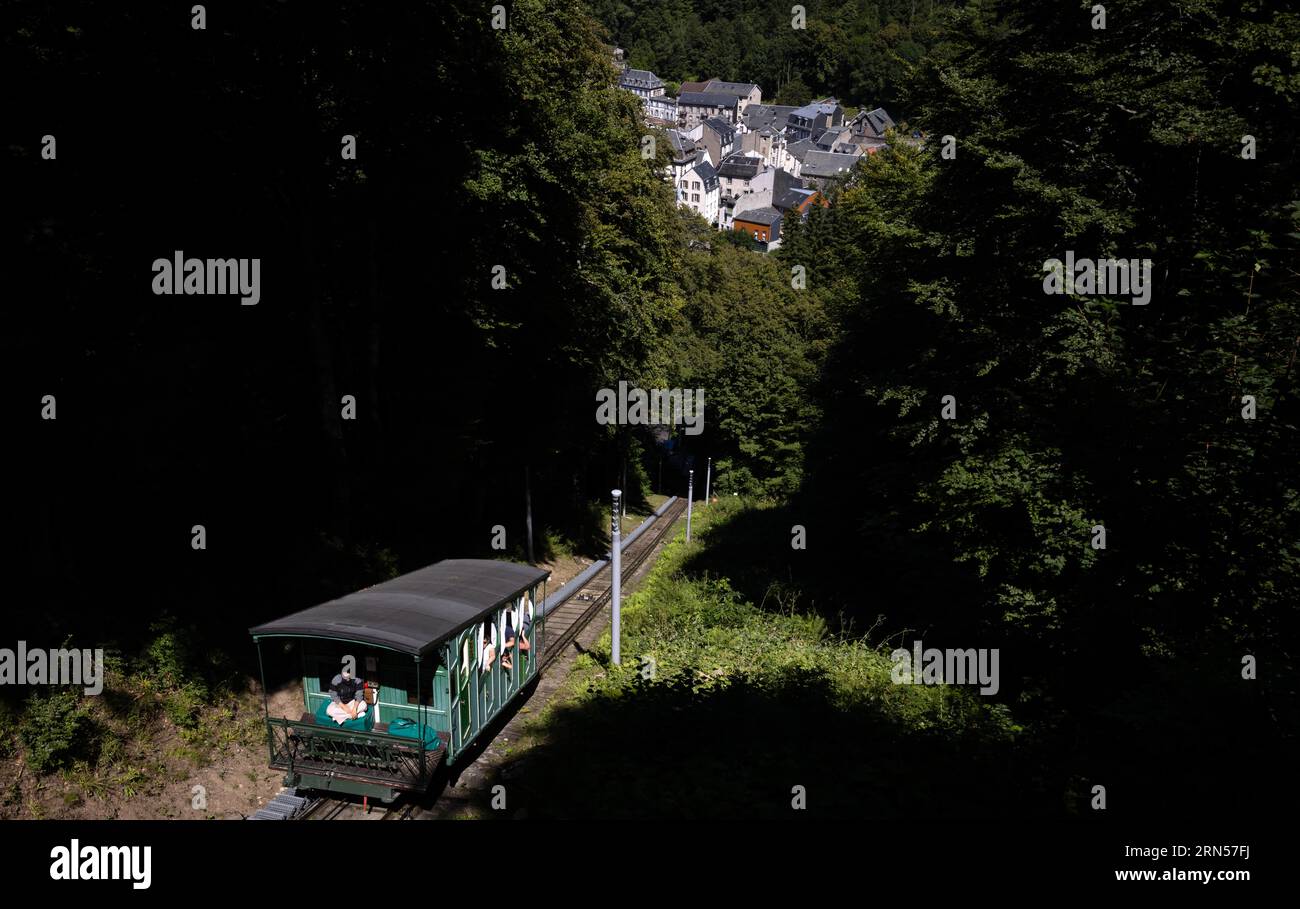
565	620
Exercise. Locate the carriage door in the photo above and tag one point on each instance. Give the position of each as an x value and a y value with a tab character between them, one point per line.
462	663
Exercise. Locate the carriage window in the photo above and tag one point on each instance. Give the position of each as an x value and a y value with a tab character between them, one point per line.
427	671
489	644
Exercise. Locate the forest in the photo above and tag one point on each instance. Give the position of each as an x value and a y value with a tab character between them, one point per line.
500	250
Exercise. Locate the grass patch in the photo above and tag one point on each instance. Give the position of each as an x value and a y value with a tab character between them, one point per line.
723	706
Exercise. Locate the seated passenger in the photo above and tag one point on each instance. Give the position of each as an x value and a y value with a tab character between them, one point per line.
510	618
487	650
347	700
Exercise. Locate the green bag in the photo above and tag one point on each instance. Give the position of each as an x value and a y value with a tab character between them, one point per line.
408	728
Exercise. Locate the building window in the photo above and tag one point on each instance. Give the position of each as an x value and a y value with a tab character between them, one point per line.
695	197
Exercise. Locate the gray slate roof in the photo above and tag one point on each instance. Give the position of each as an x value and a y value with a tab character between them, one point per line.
708	176
735	167
707	99
874	123
828	164
789	198
640	78
758	116
766	215
830	136
726	132
801	149
412	613
739	89
809	111
682	147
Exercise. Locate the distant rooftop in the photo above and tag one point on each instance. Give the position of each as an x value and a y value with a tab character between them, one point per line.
707	174
874	122
724	129
808	111
708	99
758	116
828	164
640	78
765	215
740	89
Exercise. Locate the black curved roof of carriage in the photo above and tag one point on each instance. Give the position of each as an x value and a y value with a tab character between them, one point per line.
415	611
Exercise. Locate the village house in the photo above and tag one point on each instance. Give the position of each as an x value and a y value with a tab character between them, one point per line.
642	83
694	108
829	138
871	124
820	168
799	151
698	189
776	116
797	201
741	175
747	92
785	193
762	225
661	110
718	136
814	119
683	154
772	145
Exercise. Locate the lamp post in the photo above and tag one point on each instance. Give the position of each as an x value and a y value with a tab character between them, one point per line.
616	567
690	495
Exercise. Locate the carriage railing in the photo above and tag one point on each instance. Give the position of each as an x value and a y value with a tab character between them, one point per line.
304	746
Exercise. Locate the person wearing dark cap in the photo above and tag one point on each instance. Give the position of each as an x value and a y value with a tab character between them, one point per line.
347	701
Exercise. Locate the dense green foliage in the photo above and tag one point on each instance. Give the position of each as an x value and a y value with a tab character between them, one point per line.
857	50
753	344
482	154
725	702
1076	411
56	728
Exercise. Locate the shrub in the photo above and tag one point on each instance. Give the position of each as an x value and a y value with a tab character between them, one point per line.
185	705
56	729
